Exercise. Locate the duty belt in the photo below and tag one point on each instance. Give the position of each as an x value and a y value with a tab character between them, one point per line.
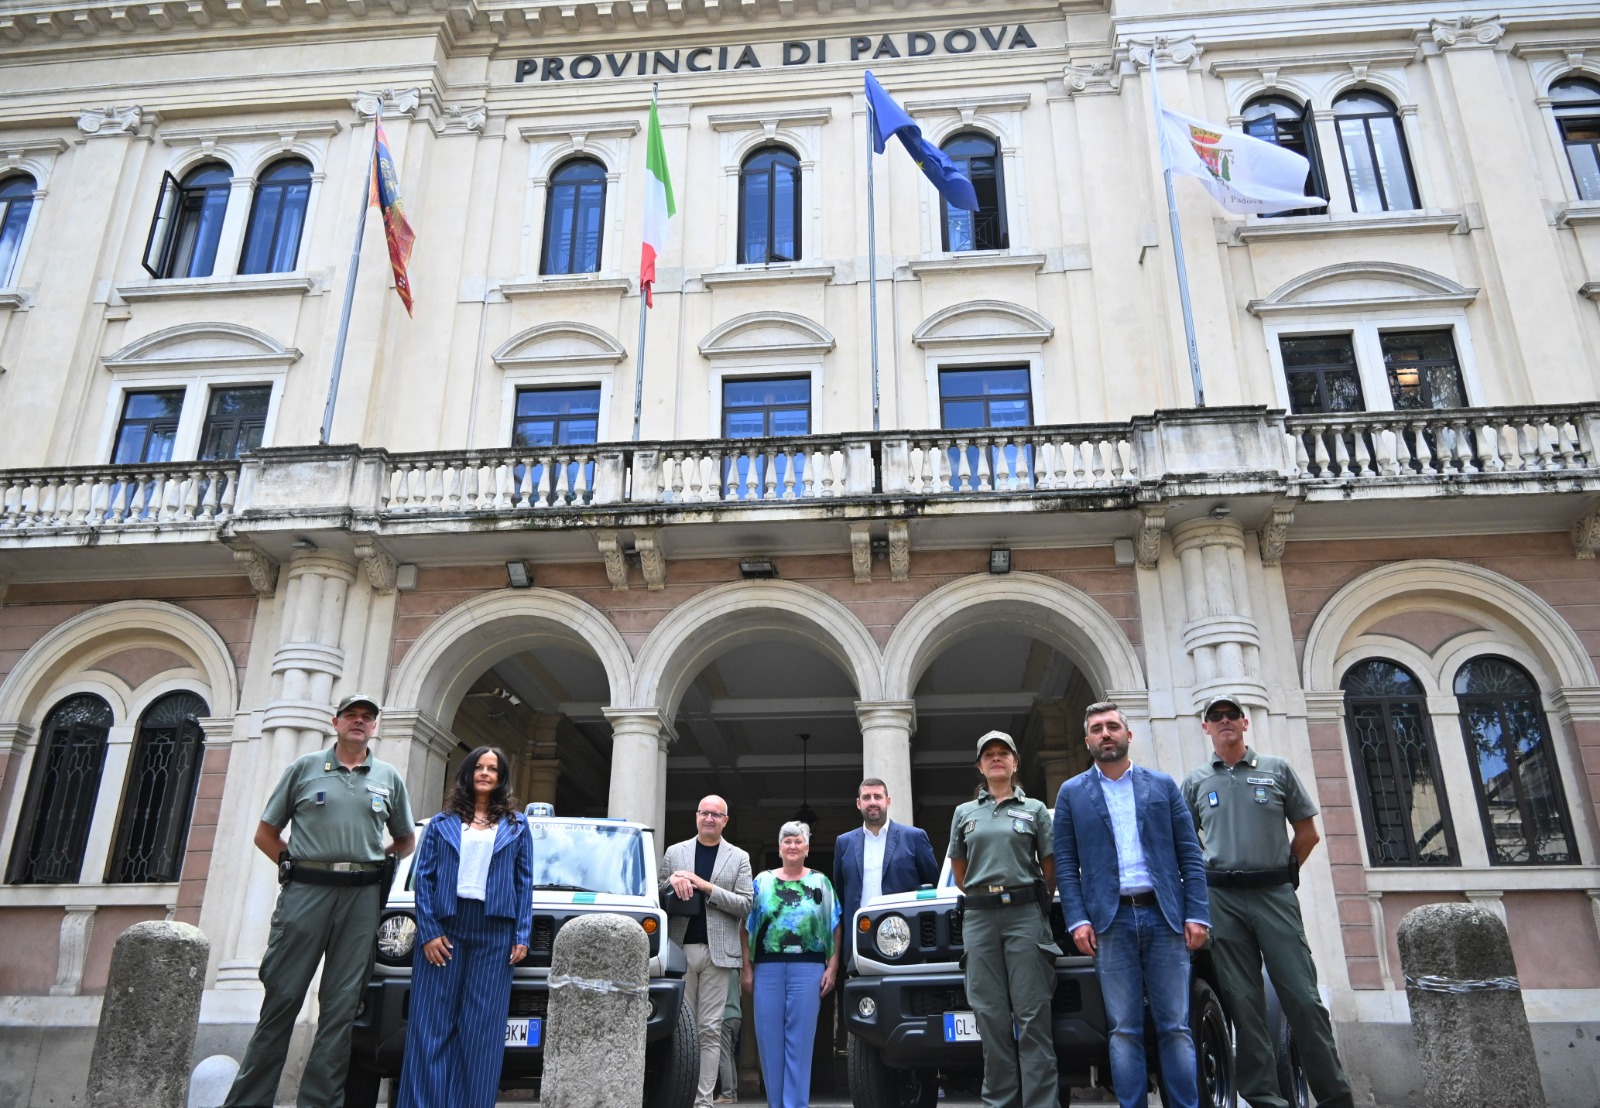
999	896
1252	878
336	874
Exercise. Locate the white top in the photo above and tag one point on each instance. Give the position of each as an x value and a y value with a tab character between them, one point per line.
1132	872
477	847
873	844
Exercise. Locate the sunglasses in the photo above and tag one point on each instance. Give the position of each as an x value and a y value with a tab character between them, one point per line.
1232	715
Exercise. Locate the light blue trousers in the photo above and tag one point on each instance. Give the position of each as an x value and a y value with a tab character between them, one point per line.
788	997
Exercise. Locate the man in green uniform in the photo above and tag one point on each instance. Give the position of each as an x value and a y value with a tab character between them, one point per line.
340	801
1002	857
1241	801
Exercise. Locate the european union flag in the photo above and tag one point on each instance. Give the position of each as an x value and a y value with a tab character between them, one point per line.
889	118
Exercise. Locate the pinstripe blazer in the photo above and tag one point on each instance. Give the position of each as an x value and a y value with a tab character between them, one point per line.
508	892
727	904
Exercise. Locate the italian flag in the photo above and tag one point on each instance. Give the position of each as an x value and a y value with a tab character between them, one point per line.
658	205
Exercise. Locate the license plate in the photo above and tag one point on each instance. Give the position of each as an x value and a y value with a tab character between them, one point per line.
960	1027
528	1032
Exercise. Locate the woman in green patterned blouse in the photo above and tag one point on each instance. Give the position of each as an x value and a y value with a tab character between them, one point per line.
791	961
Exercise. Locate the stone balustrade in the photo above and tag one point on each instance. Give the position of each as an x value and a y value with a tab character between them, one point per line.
1245	450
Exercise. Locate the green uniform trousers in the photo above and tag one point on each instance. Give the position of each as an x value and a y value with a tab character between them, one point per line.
1249	926
1011	976
312	924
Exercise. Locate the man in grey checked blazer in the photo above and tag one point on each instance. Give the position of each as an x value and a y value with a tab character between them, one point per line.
720	872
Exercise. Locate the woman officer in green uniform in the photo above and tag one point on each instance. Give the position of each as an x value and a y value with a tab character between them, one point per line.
1003	859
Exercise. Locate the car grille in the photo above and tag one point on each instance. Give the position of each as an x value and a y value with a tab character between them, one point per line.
544	939
526	1004
935	1000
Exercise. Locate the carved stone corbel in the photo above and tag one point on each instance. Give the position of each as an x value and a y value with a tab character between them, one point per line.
899	550
860	553
1586	535
1147	540
110	120
262	570
616	563
460	119
1467	30
1275	535
1093	78
379	567
77	930
652	558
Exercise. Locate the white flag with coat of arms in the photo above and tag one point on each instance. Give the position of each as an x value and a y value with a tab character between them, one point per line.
1246	175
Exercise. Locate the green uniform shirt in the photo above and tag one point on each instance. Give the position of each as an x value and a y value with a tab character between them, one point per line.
339	814
1243	813
1002	843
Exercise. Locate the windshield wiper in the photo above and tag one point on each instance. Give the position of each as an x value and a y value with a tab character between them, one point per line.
567	888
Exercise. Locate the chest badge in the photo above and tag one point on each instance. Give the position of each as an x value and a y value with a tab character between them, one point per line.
1211	799
377	804
1260	794
970	826
1022	826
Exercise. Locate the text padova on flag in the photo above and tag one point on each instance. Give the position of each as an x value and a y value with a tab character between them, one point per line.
1246	175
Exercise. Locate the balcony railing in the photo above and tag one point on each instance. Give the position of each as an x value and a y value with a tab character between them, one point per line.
117	496
1169	454
1435	443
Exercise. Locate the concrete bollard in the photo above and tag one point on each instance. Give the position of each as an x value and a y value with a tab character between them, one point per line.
145	1044
599	1003
1466	1009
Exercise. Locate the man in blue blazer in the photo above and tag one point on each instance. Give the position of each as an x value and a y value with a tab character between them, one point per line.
897	858
1133	895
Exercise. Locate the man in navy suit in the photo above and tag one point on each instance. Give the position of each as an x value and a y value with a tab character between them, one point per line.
1133	893
878	857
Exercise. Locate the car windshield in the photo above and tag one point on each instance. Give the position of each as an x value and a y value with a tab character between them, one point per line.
588	857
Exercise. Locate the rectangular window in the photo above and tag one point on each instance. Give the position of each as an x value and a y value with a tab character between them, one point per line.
1423	370
1581	136
1321	374
763	407
148	427
557	417
1000	396
235	421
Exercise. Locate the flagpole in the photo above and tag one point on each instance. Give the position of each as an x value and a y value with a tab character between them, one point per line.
1177	241
872	265
350	284
644	317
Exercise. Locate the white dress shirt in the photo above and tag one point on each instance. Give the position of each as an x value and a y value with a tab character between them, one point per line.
872	848
477	847
1132	873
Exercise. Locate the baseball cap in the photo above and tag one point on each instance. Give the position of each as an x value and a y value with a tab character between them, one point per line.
1226	698
996	736
358	698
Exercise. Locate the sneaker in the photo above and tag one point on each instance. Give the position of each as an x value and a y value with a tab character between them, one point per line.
726	1100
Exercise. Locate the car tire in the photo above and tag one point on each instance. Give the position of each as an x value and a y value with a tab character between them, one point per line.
1292	1083
672	1066
873	1084
1213	1047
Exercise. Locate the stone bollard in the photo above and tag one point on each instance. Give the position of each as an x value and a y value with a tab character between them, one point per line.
145	1044
1466	1009
599	1003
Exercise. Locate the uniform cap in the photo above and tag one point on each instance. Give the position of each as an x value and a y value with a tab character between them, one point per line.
358	698
1225	698
993	737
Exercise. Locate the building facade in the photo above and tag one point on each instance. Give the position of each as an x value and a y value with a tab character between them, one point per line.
817	550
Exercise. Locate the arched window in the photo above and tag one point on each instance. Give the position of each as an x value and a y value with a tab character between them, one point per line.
769	207
574	218
1397	768
154	827
1577	107
188	223
277	218
16	204
1282	122
54	828
1520	797
1376	164
977	156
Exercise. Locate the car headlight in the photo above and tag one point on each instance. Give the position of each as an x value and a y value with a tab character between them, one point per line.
397	934
894	936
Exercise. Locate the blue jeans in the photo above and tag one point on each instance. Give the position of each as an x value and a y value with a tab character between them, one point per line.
1141	958
787	996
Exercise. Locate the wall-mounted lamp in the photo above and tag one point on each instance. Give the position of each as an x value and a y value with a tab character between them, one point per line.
754	569
519	575
999	560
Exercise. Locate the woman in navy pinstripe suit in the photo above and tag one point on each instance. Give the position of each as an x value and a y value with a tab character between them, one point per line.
474	886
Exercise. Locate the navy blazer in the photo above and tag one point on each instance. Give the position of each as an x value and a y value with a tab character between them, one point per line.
1086	851
908	864
508	893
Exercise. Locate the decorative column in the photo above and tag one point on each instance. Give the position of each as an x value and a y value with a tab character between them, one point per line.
638	759
886	729
1219	632
296	721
